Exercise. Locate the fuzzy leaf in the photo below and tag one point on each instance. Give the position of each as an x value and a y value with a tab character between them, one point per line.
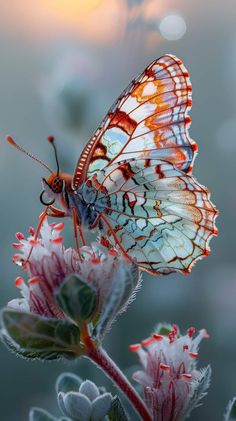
121	294
60	401
199	389
117	411
89	389
77	299
68	382
230	414
100	407
27	354
38	414
33	336
77	406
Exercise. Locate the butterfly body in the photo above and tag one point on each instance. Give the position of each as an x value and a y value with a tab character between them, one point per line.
84	200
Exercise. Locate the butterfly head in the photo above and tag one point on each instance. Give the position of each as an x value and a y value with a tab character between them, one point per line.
55	186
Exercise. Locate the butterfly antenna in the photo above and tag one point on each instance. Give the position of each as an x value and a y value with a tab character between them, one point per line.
12	142
51	140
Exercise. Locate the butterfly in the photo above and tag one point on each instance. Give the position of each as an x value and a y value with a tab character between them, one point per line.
133	180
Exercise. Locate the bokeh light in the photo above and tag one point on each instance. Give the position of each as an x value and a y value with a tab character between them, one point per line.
172	27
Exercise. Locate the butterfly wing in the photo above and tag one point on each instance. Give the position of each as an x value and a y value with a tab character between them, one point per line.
149	119
139	162
159	216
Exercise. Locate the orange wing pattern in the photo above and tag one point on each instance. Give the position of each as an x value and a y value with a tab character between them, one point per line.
149	120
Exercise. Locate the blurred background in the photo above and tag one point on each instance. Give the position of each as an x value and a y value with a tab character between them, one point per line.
63	63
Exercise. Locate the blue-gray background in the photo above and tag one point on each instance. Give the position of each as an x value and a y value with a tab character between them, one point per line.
62	64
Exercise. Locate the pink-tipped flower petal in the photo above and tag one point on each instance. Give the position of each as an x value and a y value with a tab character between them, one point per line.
49	263
169	376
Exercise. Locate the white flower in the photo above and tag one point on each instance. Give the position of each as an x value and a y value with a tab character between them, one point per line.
49	263
171	383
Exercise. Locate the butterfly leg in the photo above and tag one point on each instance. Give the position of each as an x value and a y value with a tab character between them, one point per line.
82	235
41	219
76	226
55	212
115	237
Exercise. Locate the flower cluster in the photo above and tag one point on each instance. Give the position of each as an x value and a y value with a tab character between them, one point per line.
50	263
171	383
79	294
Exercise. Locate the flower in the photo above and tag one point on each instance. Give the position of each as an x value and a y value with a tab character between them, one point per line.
171	383
49	263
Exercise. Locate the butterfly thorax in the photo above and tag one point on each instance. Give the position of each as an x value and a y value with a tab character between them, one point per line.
88	203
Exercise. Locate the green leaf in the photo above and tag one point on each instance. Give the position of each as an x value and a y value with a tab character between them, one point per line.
28	354
38	414
68	382
230	414
122	293
117	411
34	336
77	299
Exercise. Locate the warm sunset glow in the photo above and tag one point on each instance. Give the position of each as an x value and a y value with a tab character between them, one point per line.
95	21
72	9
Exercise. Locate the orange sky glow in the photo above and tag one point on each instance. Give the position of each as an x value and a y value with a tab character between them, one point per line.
95	21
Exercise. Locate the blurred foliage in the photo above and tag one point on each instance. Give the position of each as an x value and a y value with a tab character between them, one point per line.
230	414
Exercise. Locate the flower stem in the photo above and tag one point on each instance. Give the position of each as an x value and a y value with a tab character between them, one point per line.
100	357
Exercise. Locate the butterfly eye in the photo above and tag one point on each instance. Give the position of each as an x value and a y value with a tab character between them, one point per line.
57	185
50	202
